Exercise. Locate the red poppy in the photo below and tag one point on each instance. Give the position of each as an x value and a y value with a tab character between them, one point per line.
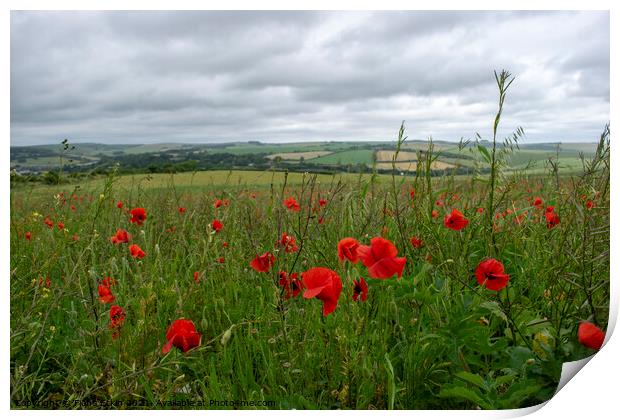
589	204
28	235
76	238
455	220
119	204
490	273
360	290
136	251
72	208
325	285
480	210
225	244
138	216
590	335
292	204
538	203
289	243
105	294
321	220
262	263
220	260
347	249
182	334
434	213
49	223
417	242
217	225
412	193
439	203
61	225
121	236
47	282
380	258
549	209
322	202
218	203
290	284
197	276
117	319
182	210
552	220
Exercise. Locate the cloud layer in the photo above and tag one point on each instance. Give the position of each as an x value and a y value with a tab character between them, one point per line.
148	77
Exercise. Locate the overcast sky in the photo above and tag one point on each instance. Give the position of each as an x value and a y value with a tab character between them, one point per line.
150	77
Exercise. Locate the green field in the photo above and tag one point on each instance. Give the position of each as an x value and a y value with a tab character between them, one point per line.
347	157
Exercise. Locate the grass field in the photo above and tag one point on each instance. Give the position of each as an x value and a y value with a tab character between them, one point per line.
347	157
432	336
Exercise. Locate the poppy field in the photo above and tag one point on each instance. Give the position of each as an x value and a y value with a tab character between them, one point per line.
311	292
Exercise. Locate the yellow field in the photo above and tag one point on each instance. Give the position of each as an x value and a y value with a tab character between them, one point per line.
386	156
299	155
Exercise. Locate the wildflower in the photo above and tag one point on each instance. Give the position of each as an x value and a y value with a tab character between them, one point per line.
434	214
538	203
49	223
289	243
225	244
290	284
455	220
347	249
552	220
325	285
197	276
138	216
220	260
121	236
480	210
490	274
416	242
28	235
136	251
119	205
76	238
117	319
590	335
182	210
589	204
218	203
182	334
360	290
380	259
72	207
292	204
322	202
262	263
412	193
61	225
217	225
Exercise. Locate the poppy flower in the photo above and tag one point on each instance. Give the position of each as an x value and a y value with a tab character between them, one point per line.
289	243
262	263
434	213
380	259
138	215
347	249
119	205
182	334
590	335
28	235
321	220
292	204
322	202
121	236
72	208
490	274
480	210
61	225
136	251
217	225
589	204
220	260
439	203
552	220
291	285
538	203
325	285
76	238
416	242
182	210
117	319
225	244
412	193
197	276
550	209
360	290
49	223
105	294
218	203
455	220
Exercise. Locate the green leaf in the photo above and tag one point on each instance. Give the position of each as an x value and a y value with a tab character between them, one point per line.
495	309
485	153
472	379
466	394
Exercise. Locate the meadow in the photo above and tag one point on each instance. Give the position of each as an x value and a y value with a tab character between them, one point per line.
278	290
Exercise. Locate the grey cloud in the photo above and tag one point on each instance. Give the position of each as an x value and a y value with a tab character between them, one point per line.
277	76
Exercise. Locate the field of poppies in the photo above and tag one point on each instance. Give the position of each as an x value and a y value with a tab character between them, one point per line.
379	292
310	291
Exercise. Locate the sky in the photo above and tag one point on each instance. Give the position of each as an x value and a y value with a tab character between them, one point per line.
212	77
